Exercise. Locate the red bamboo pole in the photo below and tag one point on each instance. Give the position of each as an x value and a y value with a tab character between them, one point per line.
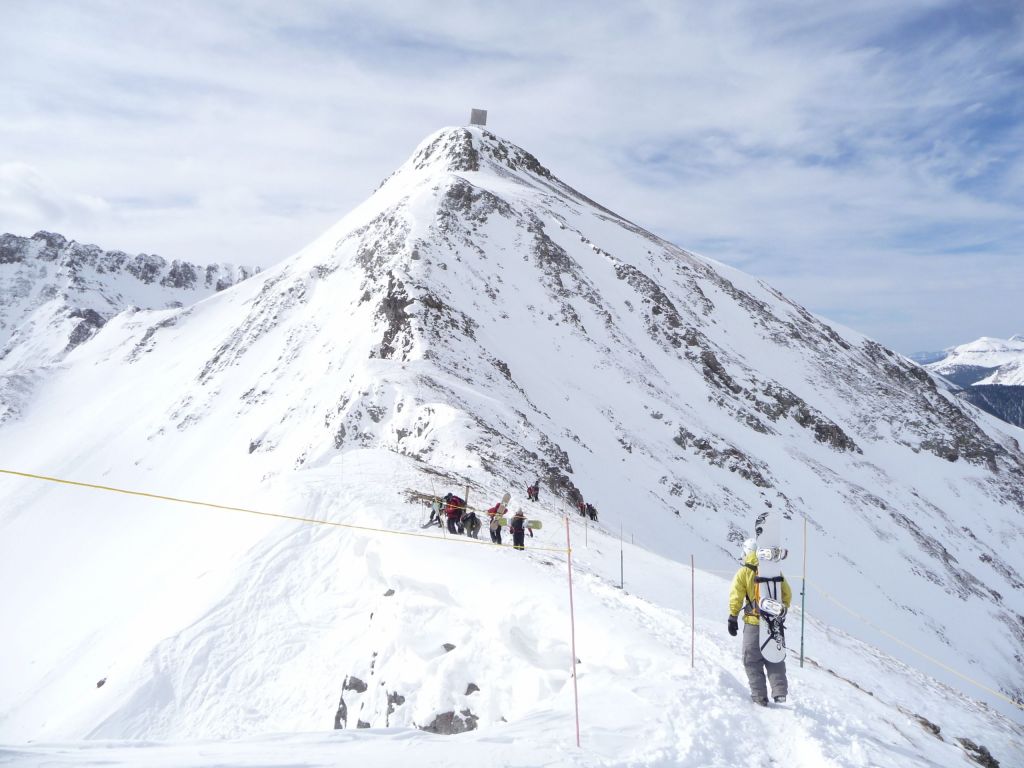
572	625
693	615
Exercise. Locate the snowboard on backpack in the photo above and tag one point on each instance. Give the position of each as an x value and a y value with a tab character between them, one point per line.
771	610
534	524
497	520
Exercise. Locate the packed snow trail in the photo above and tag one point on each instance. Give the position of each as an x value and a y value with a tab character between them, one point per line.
285	648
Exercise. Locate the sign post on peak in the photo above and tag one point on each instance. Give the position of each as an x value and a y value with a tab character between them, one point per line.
478	117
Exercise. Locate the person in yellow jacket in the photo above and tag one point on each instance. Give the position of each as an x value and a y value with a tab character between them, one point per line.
744	595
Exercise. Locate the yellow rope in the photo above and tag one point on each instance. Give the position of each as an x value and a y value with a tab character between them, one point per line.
468	540
919	652
282	516
908	646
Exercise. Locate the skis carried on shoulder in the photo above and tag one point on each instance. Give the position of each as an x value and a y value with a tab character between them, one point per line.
770	608
435	515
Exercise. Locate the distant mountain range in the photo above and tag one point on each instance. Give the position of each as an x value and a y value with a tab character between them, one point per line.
57	293
989	371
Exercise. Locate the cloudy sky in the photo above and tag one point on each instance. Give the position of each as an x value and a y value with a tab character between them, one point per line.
865	158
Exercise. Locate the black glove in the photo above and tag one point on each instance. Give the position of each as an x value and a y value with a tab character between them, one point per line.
734	626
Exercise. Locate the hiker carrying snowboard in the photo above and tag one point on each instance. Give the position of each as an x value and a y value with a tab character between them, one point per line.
745	595
517	525
494	516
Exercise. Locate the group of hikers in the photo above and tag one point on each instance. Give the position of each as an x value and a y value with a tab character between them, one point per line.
586	509
533	491
744	595
452	513
461	520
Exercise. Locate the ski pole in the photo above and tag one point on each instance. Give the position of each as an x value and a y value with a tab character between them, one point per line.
803	596
693	614
572	625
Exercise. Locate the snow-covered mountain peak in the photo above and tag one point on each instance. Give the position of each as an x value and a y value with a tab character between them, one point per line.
993	344
471	152
473	148
477	324
987	360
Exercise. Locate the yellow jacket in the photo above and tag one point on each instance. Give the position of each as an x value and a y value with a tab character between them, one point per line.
745	593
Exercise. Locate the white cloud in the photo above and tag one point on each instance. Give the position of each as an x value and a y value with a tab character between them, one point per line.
30	200
818	139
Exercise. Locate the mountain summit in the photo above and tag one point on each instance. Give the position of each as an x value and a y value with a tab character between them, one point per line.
478	323
473	149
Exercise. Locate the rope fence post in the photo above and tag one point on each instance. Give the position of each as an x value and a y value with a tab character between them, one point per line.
572	627
622	578
693	614
803	596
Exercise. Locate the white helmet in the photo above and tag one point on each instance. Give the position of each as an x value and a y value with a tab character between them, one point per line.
749	546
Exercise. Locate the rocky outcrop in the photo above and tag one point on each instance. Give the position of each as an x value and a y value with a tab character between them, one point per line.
449	723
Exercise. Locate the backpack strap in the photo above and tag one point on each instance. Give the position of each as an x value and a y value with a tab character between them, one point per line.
750	606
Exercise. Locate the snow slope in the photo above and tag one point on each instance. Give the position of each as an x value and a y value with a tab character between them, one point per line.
317	614
478	322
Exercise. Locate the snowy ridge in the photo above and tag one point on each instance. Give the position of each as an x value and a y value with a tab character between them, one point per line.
478	322
57	293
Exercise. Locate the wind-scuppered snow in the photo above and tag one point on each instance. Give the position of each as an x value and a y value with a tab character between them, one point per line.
478	322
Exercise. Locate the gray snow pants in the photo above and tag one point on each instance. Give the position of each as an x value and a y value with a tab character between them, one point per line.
755	665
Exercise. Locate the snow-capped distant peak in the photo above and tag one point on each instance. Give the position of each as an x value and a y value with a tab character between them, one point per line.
988	360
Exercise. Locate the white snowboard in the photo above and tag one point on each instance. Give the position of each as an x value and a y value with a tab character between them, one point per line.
771	609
